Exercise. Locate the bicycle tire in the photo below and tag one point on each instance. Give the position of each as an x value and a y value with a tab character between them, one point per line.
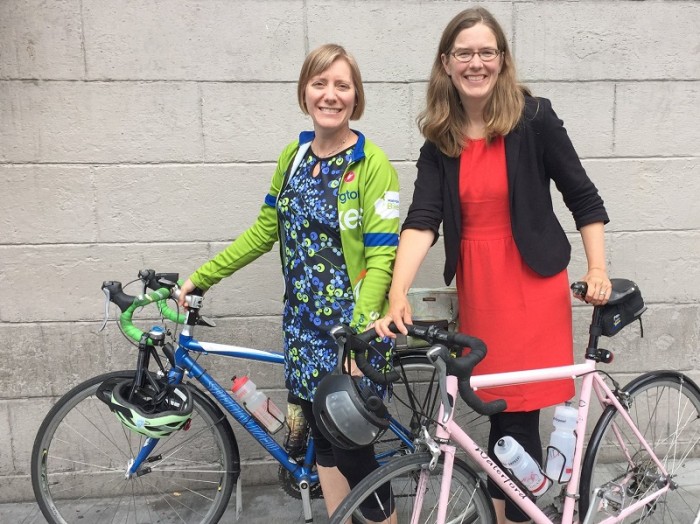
421	385
665	407
469	501
81	453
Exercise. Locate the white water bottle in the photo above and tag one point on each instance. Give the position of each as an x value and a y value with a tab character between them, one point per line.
257	404
515	458
562	443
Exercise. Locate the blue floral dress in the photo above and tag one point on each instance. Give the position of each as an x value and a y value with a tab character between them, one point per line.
318	290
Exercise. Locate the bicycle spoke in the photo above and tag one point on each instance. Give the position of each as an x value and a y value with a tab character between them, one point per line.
665	409
80	459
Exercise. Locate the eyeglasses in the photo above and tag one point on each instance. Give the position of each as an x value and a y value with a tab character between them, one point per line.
466	55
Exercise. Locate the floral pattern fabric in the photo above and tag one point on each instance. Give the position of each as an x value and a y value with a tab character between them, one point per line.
318	290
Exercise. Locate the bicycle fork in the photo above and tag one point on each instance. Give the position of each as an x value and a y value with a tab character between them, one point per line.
436	450
421	488
134	468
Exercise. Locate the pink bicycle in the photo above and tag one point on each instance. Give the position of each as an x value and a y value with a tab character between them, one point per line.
641	462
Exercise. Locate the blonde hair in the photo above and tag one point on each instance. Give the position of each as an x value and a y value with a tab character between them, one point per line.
320	59
444	121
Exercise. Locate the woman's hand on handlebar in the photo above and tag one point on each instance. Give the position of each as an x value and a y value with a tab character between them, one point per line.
186	288
399	313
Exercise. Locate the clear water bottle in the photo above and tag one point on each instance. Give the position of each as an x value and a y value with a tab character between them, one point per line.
562	443
257	404
524	467
296	438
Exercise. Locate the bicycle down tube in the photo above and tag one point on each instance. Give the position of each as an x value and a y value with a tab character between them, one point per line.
185	362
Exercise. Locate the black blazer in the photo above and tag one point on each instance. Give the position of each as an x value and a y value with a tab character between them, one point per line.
537	151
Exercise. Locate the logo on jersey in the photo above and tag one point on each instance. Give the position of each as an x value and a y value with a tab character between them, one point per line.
388	206
350	218
347	195
350	176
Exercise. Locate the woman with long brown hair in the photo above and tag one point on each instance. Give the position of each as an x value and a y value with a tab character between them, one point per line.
484	174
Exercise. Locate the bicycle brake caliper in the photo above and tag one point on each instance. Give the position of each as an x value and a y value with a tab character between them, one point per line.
432	446
624	398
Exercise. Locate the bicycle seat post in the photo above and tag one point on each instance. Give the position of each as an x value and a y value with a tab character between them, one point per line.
593	352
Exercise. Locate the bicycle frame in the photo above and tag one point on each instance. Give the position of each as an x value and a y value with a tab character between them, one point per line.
184	363
591	383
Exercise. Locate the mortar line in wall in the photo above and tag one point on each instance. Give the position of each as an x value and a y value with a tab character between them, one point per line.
83	47
305	25
657	303
198	241
247	163
96	208
200	95
98	322
635	81
137	164
614	118
514	29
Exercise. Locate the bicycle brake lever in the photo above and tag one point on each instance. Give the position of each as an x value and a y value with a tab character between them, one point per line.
436	355
204	321
166	282
107	300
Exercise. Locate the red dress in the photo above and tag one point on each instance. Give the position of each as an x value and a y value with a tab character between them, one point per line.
524	318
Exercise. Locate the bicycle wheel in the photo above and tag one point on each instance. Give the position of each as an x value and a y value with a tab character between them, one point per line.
419	393
468	500
81	454
665	407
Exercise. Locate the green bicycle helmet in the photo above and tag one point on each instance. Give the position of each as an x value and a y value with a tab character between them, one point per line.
155	412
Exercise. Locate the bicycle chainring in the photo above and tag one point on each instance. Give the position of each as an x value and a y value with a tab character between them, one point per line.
290	485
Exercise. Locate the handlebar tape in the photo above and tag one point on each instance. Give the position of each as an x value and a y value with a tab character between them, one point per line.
461	367
129	303
363	364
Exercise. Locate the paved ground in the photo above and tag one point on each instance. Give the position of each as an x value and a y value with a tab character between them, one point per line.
261	505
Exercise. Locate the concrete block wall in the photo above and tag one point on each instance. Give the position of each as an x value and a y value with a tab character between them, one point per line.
138	134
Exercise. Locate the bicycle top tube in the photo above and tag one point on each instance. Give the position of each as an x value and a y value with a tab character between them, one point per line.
532	375
226	350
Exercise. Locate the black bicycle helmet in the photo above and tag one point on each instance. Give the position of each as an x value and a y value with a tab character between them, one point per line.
348	412
153	411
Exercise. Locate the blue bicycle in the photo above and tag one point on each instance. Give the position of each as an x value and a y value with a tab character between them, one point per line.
86	464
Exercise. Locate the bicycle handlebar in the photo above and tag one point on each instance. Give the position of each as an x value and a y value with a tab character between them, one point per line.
461	367
163	286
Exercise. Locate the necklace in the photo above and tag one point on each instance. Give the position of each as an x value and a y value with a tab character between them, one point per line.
333	150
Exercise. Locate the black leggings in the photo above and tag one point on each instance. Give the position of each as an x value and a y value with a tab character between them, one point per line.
354	464
524	427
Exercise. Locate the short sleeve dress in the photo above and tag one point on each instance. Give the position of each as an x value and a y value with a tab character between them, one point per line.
524	318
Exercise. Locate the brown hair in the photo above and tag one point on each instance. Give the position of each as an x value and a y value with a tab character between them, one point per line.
444	121
320	59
